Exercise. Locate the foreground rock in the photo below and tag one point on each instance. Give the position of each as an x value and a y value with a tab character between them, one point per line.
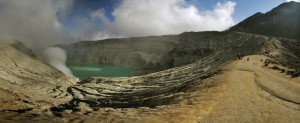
200	91
238	94
26	82
160	88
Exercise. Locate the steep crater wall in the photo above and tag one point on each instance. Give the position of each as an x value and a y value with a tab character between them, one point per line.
151	54
167	86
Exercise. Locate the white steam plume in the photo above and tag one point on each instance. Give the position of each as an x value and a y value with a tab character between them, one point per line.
36	24
56	57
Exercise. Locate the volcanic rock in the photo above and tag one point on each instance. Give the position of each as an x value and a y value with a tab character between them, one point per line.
282	21
26	82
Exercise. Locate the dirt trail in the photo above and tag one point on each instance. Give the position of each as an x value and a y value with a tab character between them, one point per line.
244	92
245	101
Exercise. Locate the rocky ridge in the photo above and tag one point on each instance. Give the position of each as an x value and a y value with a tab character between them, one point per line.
164	87
146	92
282	21
26	82
177	50
190	77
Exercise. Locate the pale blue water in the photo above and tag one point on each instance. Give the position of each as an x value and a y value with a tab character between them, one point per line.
84	71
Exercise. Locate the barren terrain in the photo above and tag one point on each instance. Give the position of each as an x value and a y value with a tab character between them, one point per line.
239	94
242	74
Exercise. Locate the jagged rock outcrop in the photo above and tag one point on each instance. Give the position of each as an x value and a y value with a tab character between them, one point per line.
282	21
26	82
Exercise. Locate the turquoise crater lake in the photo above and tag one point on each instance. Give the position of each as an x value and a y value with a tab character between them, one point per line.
84	71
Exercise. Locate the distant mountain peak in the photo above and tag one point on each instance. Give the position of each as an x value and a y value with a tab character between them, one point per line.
281	21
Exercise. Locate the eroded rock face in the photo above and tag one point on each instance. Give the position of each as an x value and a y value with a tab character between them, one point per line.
150	90
26	82
165	87
29	84
152	54
144	55
204	52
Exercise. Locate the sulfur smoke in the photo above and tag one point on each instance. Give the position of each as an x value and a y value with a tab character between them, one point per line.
37	24
57	58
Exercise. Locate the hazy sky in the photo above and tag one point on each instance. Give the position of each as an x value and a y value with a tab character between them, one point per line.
42	23
125	16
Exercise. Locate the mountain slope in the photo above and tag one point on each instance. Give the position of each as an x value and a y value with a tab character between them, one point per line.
159	88
246	91
26	82
152	54
282	21
190	77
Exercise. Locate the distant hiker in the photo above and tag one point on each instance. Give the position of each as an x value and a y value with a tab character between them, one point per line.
239	56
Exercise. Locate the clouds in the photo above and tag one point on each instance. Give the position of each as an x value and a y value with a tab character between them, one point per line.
156	17
35	22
